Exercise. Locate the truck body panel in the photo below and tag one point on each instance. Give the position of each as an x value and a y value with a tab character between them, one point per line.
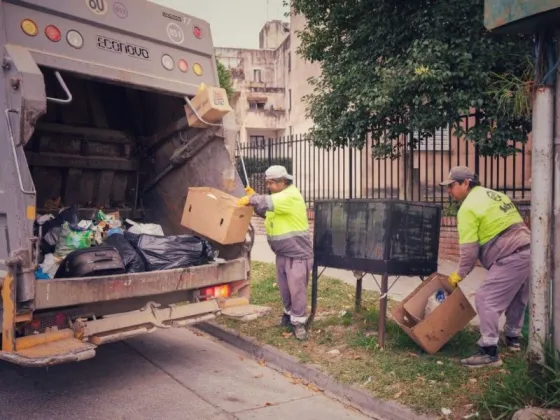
100	123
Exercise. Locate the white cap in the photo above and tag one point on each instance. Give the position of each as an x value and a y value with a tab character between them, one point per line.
277	172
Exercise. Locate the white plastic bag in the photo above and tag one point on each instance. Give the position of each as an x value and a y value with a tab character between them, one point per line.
145	228
434	301
50	265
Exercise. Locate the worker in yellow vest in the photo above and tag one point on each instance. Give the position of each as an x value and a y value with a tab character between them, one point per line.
492	230
287	230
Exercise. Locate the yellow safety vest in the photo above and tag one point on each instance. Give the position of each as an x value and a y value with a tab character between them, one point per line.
288	217
484	214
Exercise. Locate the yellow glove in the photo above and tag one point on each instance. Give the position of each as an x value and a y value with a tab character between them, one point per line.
243	201
454	279
249	191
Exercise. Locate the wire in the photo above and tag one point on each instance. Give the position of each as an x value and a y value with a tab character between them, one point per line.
198	115
545	46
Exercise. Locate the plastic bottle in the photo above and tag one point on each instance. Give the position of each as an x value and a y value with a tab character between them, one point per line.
440	295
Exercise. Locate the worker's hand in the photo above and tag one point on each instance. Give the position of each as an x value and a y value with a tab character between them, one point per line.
249	191
243	201
454	280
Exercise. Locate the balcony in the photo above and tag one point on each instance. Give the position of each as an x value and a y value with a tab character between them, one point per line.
274	119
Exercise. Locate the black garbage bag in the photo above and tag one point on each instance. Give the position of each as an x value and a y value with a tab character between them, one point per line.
133	262
133	238
169	252
52	228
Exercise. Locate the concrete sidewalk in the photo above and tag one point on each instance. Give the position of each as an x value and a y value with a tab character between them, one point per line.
399	288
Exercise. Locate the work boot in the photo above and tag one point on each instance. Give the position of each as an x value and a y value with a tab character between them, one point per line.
484	357
513	343
285	321
299	331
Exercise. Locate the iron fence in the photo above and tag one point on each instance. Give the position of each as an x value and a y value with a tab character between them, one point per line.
414	175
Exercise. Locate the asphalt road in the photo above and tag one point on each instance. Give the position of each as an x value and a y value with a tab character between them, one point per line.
169	375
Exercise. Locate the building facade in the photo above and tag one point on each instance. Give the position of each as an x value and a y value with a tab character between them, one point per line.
270	84
261	80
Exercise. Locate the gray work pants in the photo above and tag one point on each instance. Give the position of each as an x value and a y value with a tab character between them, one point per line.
292	275
506	289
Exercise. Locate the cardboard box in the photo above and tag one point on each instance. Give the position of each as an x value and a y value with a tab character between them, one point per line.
215	215
211	103
434	331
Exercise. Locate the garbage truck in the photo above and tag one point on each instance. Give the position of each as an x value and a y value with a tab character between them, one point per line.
93	97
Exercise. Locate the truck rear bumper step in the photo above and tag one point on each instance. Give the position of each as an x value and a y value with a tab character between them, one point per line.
69	292
80	342
49	354
150	316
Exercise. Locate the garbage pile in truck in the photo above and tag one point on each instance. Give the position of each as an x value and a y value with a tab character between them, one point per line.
106	245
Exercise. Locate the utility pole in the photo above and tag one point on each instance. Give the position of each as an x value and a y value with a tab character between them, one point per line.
556	224
541	214
538	17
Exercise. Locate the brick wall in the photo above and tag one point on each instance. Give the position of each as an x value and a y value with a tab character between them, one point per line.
448	239
448	236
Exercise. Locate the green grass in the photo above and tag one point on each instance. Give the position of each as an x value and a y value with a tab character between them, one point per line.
535	386
401	371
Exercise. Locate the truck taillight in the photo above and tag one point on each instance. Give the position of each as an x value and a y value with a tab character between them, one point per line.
222	291
60	320
197	32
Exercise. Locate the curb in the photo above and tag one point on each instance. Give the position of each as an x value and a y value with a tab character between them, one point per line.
374	407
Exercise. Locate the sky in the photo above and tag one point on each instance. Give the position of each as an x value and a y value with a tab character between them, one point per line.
234	23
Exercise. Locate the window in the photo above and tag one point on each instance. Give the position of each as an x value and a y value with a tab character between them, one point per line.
257	141
257	76
440	142
289	61
253	105
289	99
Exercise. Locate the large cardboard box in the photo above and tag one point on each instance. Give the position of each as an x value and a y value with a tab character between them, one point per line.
211	103
434	331
215	215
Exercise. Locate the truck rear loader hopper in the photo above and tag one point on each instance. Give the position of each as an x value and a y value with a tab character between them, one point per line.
93	115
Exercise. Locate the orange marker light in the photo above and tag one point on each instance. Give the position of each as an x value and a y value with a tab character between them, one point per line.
29	27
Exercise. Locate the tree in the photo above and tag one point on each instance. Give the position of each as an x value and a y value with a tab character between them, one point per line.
394	67
224	77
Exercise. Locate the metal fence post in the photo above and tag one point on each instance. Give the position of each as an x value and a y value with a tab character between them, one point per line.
350	174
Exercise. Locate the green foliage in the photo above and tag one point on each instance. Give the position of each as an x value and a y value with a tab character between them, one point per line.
392	68
224	76
451	208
